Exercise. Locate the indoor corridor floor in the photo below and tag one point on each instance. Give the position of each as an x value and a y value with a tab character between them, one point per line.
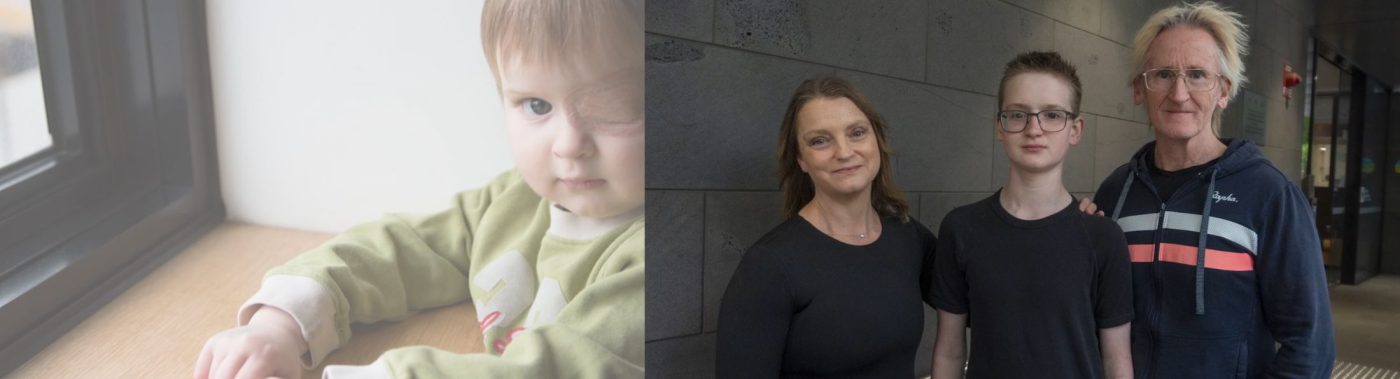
1367	322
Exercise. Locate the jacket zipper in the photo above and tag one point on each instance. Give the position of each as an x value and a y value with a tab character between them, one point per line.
1157	268
1156	288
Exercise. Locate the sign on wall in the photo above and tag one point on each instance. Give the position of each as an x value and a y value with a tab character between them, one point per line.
1256	109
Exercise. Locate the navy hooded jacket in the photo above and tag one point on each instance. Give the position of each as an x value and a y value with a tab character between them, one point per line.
1261	280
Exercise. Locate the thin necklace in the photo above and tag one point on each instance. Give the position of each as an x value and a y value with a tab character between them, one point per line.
833	230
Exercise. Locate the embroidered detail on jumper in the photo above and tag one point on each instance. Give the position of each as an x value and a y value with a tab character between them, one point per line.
516	280
1218	198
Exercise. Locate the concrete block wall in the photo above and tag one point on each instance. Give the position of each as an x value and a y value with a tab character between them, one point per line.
719	74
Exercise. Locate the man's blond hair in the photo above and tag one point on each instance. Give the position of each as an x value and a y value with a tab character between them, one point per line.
1222	24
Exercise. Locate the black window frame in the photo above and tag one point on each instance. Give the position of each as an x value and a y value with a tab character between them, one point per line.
132	176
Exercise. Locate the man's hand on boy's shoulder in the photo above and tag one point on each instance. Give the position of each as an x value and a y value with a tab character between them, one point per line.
1087	206
269	346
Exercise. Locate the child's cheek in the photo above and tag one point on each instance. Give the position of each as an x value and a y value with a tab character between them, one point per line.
532	159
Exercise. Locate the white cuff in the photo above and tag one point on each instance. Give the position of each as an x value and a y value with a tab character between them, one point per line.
308	302
374	370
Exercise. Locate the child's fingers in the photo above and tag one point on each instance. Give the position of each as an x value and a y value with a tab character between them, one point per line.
253	368
217	354
230	365
201	365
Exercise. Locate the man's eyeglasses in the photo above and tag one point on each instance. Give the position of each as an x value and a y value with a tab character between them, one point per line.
1162	79
1050	121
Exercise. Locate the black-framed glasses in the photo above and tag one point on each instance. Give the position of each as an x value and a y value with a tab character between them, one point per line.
1162	79
1050	121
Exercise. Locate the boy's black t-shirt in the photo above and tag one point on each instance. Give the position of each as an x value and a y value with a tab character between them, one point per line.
1036	292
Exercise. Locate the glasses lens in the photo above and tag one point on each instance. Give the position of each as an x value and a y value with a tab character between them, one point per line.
1053	121
1199	80
1012	121
1160	79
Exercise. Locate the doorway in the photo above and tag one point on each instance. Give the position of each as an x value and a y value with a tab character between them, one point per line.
1347	166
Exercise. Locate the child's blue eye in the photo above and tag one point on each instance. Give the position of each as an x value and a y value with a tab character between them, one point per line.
537	107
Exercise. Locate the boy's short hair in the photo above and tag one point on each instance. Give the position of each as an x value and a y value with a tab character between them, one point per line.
1047	62
580	32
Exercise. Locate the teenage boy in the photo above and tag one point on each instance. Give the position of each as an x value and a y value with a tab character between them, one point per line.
1045	288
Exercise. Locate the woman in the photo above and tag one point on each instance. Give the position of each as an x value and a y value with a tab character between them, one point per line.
834	291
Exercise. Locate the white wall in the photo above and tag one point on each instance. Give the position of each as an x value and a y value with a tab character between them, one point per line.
332	113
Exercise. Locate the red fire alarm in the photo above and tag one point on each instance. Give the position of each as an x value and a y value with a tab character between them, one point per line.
1290	79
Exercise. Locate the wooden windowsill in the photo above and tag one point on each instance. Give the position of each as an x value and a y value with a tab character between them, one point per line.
157	328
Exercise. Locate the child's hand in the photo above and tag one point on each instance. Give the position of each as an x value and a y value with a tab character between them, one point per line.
270	345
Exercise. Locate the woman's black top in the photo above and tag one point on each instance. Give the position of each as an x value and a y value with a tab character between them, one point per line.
802	304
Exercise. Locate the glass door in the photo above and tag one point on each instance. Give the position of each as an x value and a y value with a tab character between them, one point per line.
1370	181
1328	161
1347	167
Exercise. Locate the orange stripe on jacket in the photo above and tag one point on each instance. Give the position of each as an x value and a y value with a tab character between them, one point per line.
1184	254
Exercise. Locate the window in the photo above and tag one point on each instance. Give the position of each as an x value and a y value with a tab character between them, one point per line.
24	128
127	175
